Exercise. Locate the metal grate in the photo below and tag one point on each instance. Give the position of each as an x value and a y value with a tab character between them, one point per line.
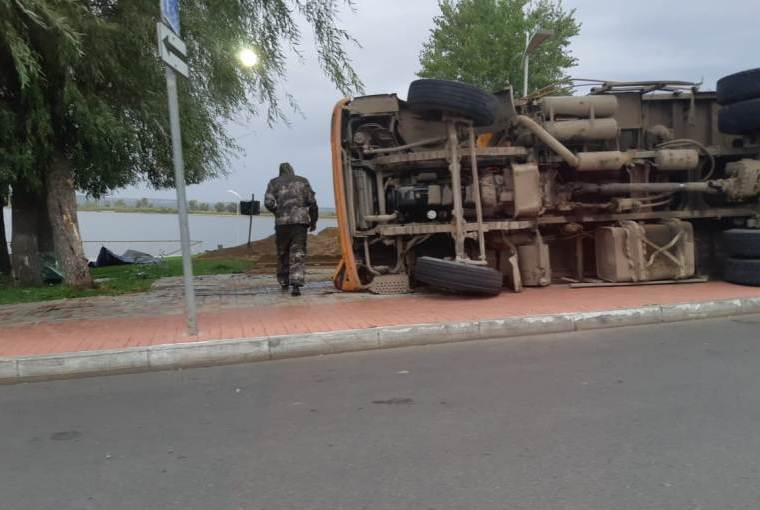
390	284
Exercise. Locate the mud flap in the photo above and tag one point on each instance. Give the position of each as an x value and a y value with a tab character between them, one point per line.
346	275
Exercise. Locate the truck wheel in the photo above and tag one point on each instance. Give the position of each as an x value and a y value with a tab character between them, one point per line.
459	99
742	243
458	276
742	271
740	118
739	87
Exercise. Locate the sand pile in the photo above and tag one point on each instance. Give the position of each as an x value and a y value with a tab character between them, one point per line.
322	248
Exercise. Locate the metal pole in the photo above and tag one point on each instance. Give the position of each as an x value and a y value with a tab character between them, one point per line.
579	258
179	178
647	187
525	66
380	192
476	193
250	222
456	187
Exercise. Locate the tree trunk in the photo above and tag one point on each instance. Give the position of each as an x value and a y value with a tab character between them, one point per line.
25	255
62	211
5	259
44	227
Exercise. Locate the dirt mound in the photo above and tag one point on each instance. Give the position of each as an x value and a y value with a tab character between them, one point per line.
322	248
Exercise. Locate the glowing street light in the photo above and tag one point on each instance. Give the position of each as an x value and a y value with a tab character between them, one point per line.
248	57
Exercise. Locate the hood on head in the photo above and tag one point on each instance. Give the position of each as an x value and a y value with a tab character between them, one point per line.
286	170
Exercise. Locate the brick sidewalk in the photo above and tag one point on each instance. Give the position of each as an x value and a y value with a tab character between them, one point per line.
316	313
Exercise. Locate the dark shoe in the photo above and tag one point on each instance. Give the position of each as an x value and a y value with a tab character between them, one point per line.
296	290
284	287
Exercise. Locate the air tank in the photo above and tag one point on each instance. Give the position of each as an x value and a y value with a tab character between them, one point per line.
579	106
586	130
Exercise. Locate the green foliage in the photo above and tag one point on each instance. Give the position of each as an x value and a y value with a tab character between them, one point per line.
121	279
83	78
219	207
482	42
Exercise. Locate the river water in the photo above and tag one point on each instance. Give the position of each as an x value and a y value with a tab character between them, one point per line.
158	234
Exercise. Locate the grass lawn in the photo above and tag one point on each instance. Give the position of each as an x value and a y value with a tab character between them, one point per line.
123	279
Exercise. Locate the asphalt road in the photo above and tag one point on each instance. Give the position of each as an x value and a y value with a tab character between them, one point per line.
664	417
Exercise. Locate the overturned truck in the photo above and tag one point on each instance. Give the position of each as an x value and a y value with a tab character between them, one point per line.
470	191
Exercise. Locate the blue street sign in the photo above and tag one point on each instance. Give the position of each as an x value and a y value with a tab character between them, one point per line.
170	14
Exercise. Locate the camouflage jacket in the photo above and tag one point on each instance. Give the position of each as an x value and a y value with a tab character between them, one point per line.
291	199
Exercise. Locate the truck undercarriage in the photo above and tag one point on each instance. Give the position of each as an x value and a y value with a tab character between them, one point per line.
469	191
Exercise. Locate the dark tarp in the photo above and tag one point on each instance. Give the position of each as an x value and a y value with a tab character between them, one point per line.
108	258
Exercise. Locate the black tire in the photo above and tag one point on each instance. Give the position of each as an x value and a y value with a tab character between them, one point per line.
455	97
742	243
740	118
458	277
739	87
742	271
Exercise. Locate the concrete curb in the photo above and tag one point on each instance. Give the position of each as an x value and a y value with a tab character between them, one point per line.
244	350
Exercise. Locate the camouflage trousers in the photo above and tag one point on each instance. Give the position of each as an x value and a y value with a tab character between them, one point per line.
291	254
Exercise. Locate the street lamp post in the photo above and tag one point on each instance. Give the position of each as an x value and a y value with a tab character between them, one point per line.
237	208
238	197
532	42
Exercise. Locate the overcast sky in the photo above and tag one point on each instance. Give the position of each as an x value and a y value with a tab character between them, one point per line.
690	40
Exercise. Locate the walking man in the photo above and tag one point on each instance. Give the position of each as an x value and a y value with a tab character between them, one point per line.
290	198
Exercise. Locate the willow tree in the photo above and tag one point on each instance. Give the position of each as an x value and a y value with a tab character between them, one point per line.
482	42
83	98
5	260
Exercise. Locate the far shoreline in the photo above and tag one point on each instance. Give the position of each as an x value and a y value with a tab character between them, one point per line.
163	210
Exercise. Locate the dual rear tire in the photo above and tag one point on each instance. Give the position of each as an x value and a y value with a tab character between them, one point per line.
743	263
739	96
